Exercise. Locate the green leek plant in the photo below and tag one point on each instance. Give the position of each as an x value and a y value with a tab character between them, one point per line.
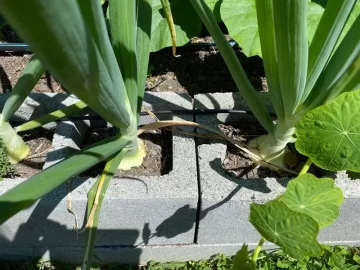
109	76
312	92
69	38
300	77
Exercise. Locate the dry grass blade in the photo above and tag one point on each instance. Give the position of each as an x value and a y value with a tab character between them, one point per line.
240	145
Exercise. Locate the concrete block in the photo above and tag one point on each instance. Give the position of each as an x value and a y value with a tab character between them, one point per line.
38	104
225	199
226	101
143	211
140	255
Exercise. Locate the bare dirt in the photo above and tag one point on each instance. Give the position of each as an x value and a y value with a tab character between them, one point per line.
158	160
236	164
11	67
201	71
40	142
193	72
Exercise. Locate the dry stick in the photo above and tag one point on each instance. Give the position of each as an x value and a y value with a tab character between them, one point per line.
38	154
69	205
39	147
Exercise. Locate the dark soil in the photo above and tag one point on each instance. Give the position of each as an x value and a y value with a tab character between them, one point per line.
200	72
158	160
196	72
11	67
7	34
40	142
240	166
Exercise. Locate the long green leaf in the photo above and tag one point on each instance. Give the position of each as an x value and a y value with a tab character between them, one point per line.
246	89
99	189
28	79
51	117
73	48
264	10
345	55
144	20
326	36
123	36
347	82
292	50
28	192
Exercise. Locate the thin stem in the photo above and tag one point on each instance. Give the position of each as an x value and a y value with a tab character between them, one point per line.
257	250
306	166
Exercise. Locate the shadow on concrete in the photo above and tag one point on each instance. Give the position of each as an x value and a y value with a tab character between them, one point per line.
43	236
169	227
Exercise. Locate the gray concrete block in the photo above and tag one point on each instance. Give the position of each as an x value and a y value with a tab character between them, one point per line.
127	255
226	101
145	210
225	199
38	104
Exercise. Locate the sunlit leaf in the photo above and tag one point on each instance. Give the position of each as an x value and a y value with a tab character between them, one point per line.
187	24
240	19
294	232
315	197
330	134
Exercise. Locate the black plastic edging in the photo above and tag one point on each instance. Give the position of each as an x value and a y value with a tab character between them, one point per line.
23	47
166	112
14	47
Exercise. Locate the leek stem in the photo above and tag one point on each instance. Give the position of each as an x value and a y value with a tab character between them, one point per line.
257	250
306	166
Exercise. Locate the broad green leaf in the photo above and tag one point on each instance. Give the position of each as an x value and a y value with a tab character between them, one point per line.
315	197
315	11
31	190
215	5
294	232
237	72
187	24
80	55
28	79
240	19
241	260
330	134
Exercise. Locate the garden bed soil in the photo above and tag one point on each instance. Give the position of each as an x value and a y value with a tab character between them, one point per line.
157	162
40	142
236	164
198	72
11	67
193	72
